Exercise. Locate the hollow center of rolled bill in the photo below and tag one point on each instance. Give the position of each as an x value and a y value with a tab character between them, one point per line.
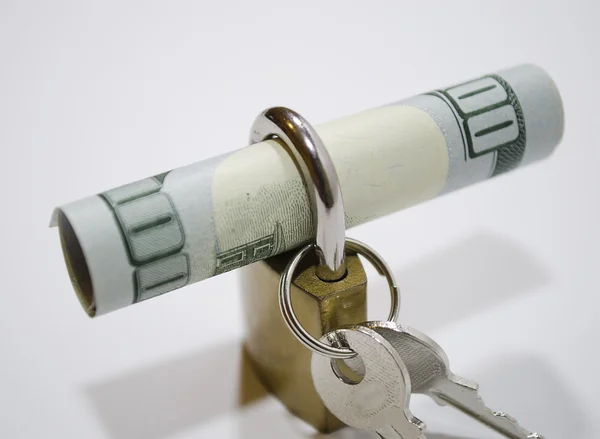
76	265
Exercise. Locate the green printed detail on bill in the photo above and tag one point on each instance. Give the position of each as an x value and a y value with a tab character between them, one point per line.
153	236
491	120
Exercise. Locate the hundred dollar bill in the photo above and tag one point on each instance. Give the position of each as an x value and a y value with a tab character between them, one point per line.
161	233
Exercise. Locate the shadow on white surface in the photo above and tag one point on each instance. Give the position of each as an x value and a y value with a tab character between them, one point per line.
532	391
173	396
479	272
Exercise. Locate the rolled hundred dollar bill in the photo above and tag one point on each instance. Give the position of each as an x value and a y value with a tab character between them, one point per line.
159	234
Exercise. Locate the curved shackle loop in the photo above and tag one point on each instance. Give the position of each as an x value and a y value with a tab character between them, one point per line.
320	179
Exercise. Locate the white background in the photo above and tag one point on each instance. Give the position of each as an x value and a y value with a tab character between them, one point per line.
96	94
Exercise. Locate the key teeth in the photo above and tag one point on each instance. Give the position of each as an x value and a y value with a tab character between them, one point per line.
514	421
419	426
469	385
416	432
460	381
474	387
504	415
517	425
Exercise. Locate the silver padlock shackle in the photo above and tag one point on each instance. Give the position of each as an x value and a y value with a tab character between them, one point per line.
320	178
319	174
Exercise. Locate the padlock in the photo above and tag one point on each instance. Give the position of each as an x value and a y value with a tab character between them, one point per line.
281	362
329	290
311	292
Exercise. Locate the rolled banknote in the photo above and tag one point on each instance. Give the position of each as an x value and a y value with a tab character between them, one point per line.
159	234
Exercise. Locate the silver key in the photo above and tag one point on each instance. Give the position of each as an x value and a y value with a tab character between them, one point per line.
379	402
430	374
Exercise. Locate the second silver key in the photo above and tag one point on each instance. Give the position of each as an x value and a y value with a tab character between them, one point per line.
430	374
379	402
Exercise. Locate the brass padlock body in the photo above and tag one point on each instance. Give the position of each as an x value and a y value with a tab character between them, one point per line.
282	362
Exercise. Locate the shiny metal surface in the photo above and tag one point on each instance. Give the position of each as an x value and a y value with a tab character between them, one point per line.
287	309
378	403
430	374
320	178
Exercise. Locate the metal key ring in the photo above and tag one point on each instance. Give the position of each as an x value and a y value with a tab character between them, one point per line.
285	298
320	179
